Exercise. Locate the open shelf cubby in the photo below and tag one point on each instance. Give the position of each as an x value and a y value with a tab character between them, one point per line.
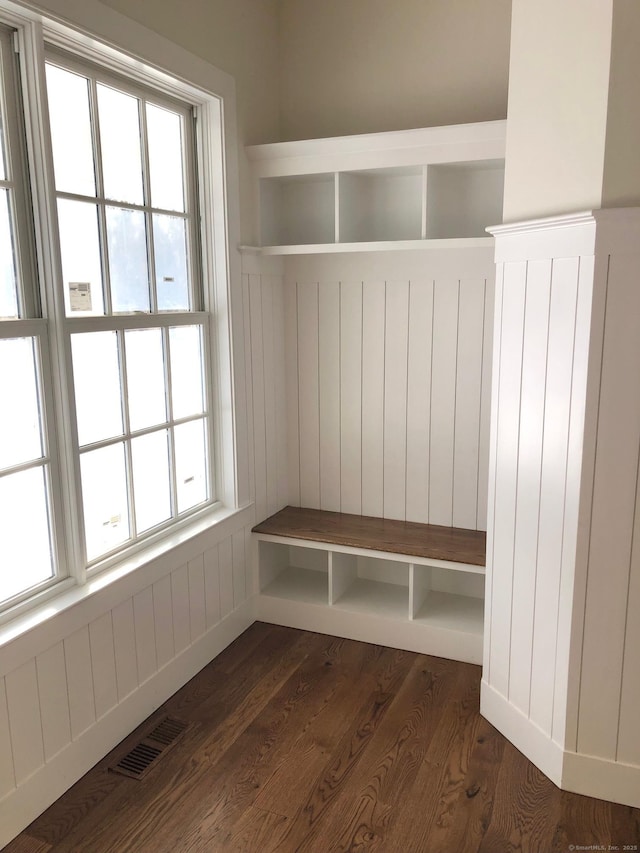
357	193
381	204
297	209
403	584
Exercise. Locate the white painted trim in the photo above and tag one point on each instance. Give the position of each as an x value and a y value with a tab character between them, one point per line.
545	753
32	797
381	246
395	556
255	263
453	143
570	771
416	264
50	623
556	237
601	778
602	231
414	636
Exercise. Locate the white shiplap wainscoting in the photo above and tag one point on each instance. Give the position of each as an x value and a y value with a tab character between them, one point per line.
388	383
73	686
264	317
561	671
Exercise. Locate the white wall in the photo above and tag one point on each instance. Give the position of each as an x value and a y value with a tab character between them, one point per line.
621	182
360	66
558	91
239	37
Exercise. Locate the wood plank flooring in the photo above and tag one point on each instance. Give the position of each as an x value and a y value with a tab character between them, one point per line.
303	742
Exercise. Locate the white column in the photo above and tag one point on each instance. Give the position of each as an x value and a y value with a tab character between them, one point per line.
561	672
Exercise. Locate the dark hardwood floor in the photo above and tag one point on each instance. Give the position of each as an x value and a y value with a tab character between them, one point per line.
302	742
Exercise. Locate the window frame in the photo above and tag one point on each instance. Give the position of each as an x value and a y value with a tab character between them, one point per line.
213	97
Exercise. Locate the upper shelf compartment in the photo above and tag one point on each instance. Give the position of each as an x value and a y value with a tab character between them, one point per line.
439	186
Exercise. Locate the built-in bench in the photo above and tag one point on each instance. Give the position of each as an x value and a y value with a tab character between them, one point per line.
401	584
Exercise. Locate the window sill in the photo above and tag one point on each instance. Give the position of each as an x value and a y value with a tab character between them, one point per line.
66	595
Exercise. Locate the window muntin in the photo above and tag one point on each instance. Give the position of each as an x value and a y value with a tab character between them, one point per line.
28	560
140	432
125	197
26	536
126	239
118	212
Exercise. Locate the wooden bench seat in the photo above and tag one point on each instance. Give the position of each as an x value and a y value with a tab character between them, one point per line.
428	541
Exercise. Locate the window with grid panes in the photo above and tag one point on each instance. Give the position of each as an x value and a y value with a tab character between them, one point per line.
28	557
128	316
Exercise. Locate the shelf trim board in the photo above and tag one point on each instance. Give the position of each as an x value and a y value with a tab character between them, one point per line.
394	556
430	244
413	636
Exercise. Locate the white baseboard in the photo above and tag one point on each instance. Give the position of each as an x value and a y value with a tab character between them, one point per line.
525	735
570	771
601	778
370	628
48	783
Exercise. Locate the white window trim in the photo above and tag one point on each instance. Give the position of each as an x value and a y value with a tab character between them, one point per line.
97	33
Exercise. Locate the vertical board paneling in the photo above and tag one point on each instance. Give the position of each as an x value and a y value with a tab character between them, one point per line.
557	410
308	395
291	379
197	614
7	778
614	492
534	366
23	704
103	664
258	384
248	562
238	562
443	400
268	365
180	607
493	524
587	352
226	577
467	413
145	634
329	390
405	450
418	399
246	314
373	348
282	488
163	618
351	415
77	654
54	700
628	745
395	399
485	404
124	641
506	461
212	586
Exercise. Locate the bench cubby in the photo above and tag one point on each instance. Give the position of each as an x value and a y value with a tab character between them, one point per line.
407	585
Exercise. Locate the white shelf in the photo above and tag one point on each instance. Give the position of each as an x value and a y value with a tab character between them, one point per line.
296	584
452	612
387	600
409	189
371	246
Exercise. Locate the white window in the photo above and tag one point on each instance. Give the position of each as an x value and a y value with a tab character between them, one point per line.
106	425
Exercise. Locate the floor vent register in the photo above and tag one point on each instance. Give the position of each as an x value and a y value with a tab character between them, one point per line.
153	745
